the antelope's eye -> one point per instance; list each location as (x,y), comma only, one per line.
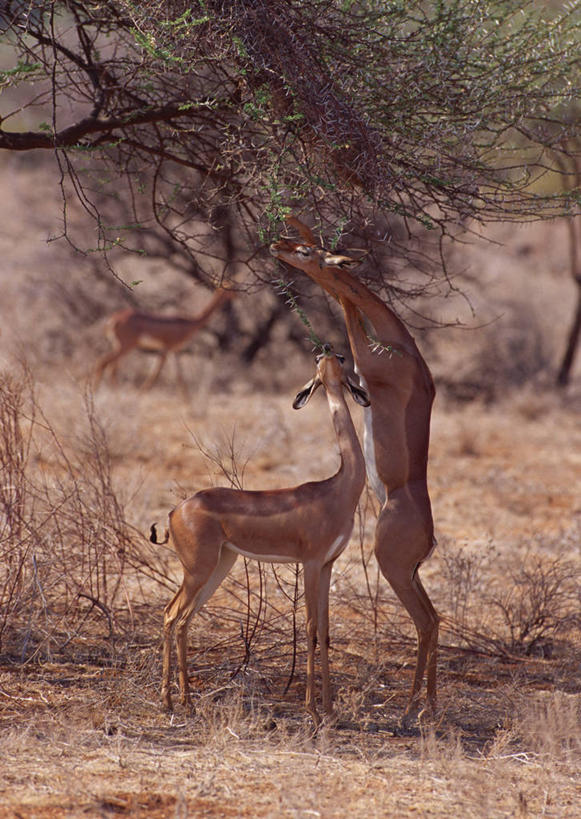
(303,251)
(340,357)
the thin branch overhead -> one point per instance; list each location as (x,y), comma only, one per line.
(387,122)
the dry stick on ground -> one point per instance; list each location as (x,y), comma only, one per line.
(397,431)
(132,329)
(309,524)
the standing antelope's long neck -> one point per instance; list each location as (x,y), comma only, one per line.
(352,468)
(217,299)
(342,285)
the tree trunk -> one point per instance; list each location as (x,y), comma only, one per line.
(263,332)
(572,343)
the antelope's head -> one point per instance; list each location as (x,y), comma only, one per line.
(307,254)
(331,375)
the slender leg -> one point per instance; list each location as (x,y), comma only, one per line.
(115,371)
(171,612)
(420,609)
(149,382)
(111,359)
(182,653)
(225,562)
(432,648)
(194,592)
(323,634)
(403,539)
(365,359)
(180,376)
(179,612)
(312,576)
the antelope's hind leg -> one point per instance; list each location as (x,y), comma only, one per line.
(312,580)
(109,361)
(172,611)
(194,592)
(154,375)
(402,542)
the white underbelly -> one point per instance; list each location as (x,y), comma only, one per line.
(264,557)
(369,450)
(147,342)
(434,544)
(338,546)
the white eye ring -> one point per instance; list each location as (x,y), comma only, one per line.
(303,251)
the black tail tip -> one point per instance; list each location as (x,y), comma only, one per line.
(153,535)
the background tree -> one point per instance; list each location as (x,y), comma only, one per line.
(196,126)
(571,171)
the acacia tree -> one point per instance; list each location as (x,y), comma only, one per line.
(572,177)
(390,120)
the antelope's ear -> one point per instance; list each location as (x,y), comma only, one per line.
(359,395)
(304,230)
(344,262)
(304,395)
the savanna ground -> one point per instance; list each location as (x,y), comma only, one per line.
(82,730)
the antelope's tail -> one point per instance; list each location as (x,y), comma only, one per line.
(153,535)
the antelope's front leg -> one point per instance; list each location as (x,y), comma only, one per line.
(323,633)
(312,576)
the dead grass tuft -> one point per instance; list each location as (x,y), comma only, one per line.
(550,726)
(71,562)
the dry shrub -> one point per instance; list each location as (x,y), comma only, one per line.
(539,604)
(499,609)
(463,575)
(70,563)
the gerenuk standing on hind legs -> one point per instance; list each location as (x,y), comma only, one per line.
(397,433)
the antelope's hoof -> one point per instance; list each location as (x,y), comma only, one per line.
(314,715)
(330,719)
(187,703)
(409,724)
